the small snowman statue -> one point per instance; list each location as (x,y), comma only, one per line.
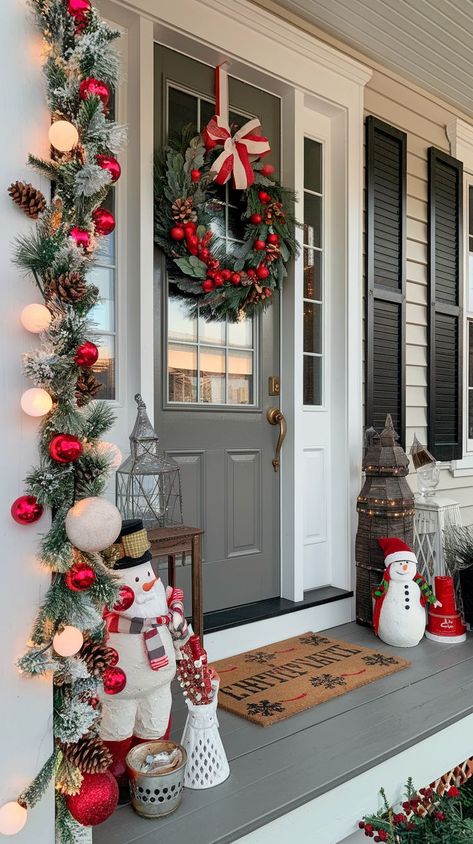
(399,616)
(146,628)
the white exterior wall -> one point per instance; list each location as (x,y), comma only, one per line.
(25,705)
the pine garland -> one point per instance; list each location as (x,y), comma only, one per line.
(59,267)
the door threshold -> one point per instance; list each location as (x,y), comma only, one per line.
(270,608)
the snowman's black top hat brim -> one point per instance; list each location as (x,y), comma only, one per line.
(130,562)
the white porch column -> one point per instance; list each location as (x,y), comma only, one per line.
(25,704)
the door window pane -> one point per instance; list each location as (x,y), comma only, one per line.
(212,376)
(182,110)
(182,368)
(180,325)
(240,377)
(241,334)
(212,332)
(104,369)
(313,307)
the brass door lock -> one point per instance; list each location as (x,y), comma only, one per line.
(273,385)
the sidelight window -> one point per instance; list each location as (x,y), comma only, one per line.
(313,333)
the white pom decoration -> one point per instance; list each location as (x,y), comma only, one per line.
(93,524)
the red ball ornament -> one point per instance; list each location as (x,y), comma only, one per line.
(25,510)
(256,219)
(64,448)
(125,600)
(207,285)
(226,275)
(218,280)
(189,228)
(96,800)
(80,577)
(251,273)
(192,241)
(177,233)
(262,271)
(203,254)
(264,197)
(259,245)
(236,278)
(195,175)
(113,657)
(92,87)
(114,680)
(86,354)
(267,170)
(273,238)
(81,237)
(78,8)
(104,221)
(108,162)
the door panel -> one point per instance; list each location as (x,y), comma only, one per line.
(212,379)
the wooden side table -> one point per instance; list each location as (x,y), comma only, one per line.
(182,539)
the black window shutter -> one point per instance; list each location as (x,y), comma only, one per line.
(445,306)
(385,250)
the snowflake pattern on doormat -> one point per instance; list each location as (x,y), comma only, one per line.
(379,659)
(313,639)
(328,681)
(264,708)
(261,657)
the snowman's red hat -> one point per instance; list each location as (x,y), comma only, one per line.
(395,550)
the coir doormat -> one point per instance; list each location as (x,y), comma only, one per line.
(272,683)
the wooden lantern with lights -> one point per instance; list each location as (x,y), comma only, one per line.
(385,507)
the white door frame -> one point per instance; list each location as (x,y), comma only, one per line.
(307,74)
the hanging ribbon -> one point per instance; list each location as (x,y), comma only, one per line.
(238,149)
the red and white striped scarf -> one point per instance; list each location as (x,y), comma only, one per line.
(149,628)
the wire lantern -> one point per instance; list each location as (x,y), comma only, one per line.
(148,483)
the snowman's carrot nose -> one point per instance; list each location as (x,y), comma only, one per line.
(148,586)
(404,566)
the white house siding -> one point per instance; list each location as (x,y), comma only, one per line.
(424,121)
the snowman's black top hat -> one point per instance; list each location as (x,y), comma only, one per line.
(132,545)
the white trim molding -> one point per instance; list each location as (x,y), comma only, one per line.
(460,136)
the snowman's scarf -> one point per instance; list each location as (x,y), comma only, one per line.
(379,594)
(149,628)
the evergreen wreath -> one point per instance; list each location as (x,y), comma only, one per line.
(188,208)
(81,71)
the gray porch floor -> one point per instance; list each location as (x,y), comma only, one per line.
(277,768)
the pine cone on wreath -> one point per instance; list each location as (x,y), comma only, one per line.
(28,198)
(96,656)
(87,387)
(68,776)
(69,287)
(183,211)
(89,754)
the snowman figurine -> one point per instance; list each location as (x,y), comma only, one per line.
(399,616)
(145,627)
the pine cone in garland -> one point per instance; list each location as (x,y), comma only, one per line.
(96,656)
(68,776)
(89,754)
(69,287)
(183,211)
(28,198)
(87,387)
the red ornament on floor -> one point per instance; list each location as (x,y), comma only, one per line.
(86,354)
(80,577)
(96,801)
(81,237)
(114,680)
(108,162)
(92,87)
(125,600)
(64,448)
(25,510)
(104,221)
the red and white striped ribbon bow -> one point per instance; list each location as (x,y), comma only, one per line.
(238,149)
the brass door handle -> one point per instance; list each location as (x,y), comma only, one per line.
(276,417)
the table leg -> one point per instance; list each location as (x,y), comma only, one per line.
(171,570)
(197,607)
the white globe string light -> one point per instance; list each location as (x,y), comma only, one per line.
(68,641)
(12,818)
(36,402)
(35,318)
(63,135)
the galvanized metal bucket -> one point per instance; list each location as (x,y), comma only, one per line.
(155,795)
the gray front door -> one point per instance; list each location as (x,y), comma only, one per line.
(212,378)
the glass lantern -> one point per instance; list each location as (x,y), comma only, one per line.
(428,478)
(148,483)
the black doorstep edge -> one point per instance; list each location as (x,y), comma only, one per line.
(270,608)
